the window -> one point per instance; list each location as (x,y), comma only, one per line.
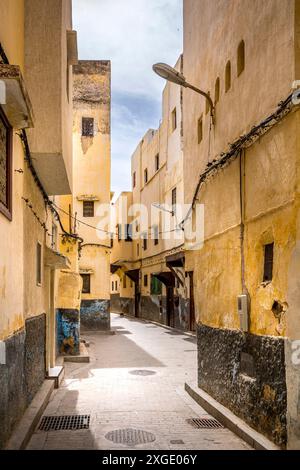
(228,76)
(240,58)
(156,286)
(128,233)
(88,127)
(145,241)
(86,283)
(116,285)
(119,231)
(112,285)
(268,262)
(54,237)
(200,130)
(124,281)
(145,175)
(173,200)
(157,162)
(155,234)
(134,179)
(217,91)
(5,167)
(138,249)
(145,280)
(174,119)
(88,208)
(39,264)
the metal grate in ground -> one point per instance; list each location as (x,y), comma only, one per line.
(130,437)
(205,423)
(68,422)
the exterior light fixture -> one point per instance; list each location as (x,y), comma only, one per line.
(172,75)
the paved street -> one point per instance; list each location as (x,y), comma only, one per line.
(117,399)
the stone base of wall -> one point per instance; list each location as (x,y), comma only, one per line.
(246,373)
(68,331)
(95,314)
(22,374)
(122,305)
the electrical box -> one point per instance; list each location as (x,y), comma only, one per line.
(243,310)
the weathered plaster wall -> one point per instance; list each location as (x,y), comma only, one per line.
(91,98)
(263,190)
(246,373)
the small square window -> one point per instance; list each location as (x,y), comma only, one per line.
(88,208)
(88,127)
(86,283)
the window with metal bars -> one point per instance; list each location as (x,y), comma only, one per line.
(87,127)
(86,283)
(268,262)
(88,208)
(5,166)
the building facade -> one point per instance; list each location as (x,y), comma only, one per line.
(156,263)
(35,165)
(91,188)
(246,274)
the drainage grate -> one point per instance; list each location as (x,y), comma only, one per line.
(142,372)
(177,441)
(130,437)
(70,422)
(205,423)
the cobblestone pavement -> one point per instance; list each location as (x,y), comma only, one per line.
(117,399)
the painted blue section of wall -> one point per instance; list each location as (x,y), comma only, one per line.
(68,331)
(95,314)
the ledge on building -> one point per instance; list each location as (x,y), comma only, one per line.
(56,374)
(229,419)
(14,98)
(87,197)
(55,260)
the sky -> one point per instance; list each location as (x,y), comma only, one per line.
(133,34)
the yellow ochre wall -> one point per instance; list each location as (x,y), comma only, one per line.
(91,167)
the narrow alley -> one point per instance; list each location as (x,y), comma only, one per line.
(134,381)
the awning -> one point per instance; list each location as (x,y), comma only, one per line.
(133,274)
(14,98)
(166,277)
(176,261)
